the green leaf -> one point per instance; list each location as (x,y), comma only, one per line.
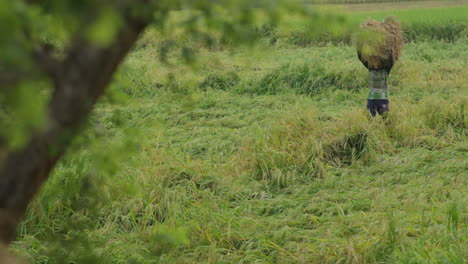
(104,30)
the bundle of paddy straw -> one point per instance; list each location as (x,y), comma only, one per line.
(377,41)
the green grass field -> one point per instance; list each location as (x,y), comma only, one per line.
(267,155)
(423,24)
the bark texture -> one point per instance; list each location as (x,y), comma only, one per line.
(79,80)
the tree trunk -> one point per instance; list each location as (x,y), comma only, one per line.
(79,80)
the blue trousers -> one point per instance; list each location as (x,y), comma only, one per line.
(379,106)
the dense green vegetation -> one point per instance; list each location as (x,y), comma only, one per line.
(268,156)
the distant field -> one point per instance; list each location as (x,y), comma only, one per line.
(419,24)
(419,15)
(372,6)
(448,23)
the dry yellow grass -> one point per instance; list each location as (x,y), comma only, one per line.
(378,42)
(394,36)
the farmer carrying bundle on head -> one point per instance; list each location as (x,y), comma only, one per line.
(379,46)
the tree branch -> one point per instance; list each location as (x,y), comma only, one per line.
(46,61)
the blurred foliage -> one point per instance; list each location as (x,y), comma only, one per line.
(182,26)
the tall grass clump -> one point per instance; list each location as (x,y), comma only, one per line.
(289,152)
(444,115)
(134,82)
(307,79)
(429,122)
(223,81)
(353,137)
(297,149)
(268,31)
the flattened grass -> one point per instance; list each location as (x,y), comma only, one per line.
(214,167)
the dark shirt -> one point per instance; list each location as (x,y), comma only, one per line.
(378,88)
